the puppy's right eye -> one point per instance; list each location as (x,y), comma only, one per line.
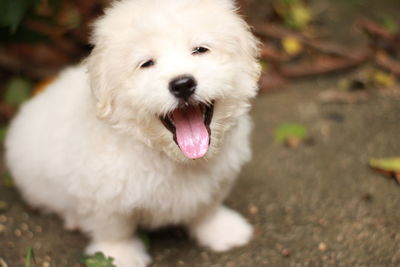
(148,64)
(200,50)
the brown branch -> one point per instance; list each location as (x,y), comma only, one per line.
(374,29)
(274,31)
(388,63)
(323,65)
(269,52)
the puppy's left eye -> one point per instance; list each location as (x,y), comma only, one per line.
(148,64)
(200,50)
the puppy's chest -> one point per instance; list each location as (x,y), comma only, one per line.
(179,199)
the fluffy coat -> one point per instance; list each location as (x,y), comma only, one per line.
(92,149)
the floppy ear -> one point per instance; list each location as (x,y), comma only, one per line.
(250,46)
(100,84)
(104,66)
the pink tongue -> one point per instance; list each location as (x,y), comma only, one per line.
(191,133)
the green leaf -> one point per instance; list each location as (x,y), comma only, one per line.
(299,17)
(12,12)
(383,78)
(292,45)
(28,258)
(295,13)
(30,255)
(290,130)
(386,164)
(389,23)
(17,91)
(98,260)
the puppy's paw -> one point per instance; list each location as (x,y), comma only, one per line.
(223,230)
(126,253)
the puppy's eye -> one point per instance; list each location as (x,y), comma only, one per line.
(148,64)
(200,50)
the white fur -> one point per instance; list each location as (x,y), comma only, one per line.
(92,148)
(223,230)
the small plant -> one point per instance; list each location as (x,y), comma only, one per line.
(30,256)
(12,12)
(98,260)
(290,134)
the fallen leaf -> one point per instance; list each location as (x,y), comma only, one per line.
(387,166)
(292,46)
(383,79)
(295,13)
(299,17)
(274,31)
(290,131)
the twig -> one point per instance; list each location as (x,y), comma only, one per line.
(271,53)
(274,31)
(375,30)
(387,63)
(323,65)
(3,263)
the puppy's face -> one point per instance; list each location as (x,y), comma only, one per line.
(175,74)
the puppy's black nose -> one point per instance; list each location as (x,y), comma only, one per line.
(183,86)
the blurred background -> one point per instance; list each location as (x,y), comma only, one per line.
(326,134)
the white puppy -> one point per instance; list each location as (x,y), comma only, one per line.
(151,130)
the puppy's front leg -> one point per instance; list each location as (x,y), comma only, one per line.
(114,236)
(221,229)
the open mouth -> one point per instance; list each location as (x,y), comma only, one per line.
(190,126)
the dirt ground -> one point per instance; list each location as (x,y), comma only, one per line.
(316,205)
